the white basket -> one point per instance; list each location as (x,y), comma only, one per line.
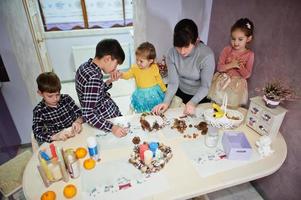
(225,121)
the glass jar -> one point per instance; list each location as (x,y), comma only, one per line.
(211,138)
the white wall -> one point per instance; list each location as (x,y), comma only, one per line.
(19,57)
(162,16)
(59,46)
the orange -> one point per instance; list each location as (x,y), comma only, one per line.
(80,152)
(89,163)
(48,195)
(70,191)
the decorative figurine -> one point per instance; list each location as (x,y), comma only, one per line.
(264,146)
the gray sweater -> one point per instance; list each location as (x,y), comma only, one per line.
(192,74)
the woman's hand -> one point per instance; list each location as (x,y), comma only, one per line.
(189,109)
(160,108)
(119,131)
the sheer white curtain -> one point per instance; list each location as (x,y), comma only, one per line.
(139,20)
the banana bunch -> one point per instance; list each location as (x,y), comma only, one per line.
(218,111)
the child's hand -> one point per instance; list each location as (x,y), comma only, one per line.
(67,133)
(76,127)
(234,64)
(64,135)
(119,131)
(60,136)
(56,137)
(242,63)
(189,109)
(114,76)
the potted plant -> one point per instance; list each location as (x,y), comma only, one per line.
(276,91)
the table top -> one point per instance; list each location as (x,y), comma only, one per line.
(182,177)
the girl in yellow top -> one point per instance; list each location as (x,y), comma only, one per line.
(150,87)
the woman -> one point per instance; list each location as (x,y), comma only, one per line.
(190,68)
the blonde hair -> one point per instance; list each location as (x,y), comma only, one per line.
(146,50)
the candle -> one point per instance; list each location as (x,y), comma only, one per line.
(46,169)
(148,157)
(44,155)
(59,154)
(211,139)
(55,170)
(53,151)
(158,154)
(142,149)
(153,146)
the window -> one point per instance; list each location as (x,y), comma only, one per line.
(59,15)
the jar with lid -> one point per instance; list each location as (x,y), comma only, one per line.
(211,139)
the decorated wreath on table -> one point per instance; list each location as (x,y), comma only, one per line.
(149,157)
(150,121)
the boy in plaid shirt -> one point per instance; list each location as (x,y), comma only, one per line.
(55,112)
(92,90)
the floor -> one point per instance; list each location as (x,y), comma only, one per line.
(121,92)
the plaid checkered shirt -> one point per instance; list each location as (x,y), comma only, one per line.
(92,91)
(48,121)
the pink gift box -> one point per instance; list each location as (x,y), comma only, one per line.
(236,145)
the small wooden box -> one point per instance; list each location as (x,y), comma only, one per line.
(264,120)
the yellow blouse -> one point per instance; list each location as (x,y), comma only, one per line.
(145,78)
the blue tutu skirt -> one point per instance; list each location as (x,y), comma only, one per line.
(145,99)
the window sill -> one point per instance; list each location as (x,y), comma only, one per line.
(88,32)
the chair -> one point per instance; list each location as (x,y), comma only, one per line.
(11,174)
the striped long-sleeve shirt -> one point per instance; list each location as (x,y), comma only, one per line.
(48,121)
(92,91)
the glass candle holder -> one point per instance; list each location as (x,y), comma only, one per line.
(211,139)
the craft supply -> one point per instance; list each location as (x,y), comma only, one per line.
(158,154)
(59,154)
(148,157)
(153,146)
(55,170)
(43,176)
(151,122)
(211,139)
(72,163)
(149,164)
(236,145)
(46,169)
(142,149)
(136,140)
(53,151)
(63,170)
(93,148)
(44,155)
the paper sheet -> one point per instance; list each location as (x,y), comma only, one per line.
(209,161)
(109,141)
(114,184)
